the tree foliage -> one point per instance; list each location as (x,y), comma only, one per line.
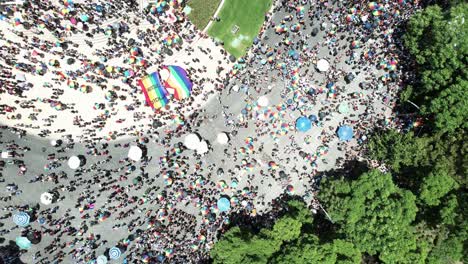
(438,40)
(242,246)
(405,150)
(373,213)
(436,185)
(308,249)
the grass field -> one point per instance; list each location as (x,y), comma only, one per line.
(248,15)
(202,11)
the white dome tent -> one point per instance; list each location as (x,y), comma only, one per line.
(47,198)
(191,141)
(135,153)
(74,162)
(263,101)
(222,138)
(202,147)
(323,65)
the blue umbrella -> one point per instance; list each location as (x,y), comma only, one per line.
(84,18)
(23,243)
(303,124)
(224,204)
(296,56)
(313,118)
(115,253)
(21,219)
(160,258)
(99,8)
(345,133)
(311,91)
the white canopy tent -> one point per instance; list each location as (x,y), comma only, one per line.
(6,154)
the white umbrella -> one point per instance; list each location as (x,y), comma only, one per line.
(263,101)
(46,198)
(20,77)
(53,143)
(202,147)
(323,65)
(235,88)
(191,141)
(135,153)
(74,162)
(222,138)
(101,259)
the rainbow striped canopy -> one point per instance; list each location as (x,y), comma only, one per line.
(155,93)
(178,81)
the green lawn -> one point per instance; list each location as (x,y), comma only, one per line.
(248,15)
(202,11)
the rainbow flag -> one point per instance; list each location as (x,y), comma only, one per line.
(178,81)
(155,93)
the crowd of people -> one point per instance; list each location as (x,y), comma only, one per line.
(163,208)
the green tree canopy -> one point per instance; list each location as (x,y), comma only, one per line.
(242,246)
(438,40)
(374,214)
(398,149)
(308,249)
(436,185)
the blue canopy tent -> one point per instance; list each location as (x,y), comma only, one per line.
(345,133)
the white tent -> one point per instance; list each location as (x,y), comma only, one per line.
(263,101)
(202,147)
(5,155)
(323,65)
(222,138)
(20,77)
(46,198)
(135,153)
(191,141)
(74,162)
